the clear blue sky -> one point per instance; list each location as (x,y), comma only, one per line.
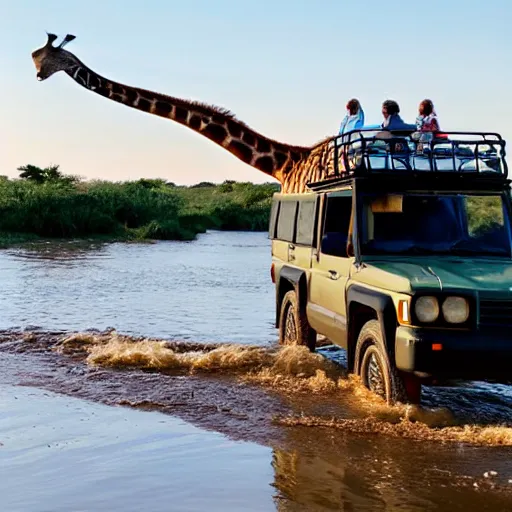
(285,68)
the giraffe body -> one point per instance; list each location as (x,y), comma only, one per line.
(292,166)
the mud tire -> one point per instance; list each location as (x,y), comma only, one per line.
(377,372)
(294,328)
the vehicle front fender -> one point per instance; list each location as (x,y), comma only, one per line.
(375,303)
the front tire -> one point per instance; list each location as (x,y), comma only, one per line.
(377,372)
(294,328)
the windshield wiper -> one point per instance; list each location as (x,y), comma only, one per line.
(420,250)
(409,250)
(465,251)
(458,248)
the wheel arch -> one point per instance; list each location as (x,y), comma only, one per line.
(364,305)
(291,278)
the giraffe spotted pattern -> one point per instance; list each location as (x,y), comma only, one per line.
(293,166)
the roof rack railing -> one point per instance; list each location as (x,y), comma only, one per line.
(373,150)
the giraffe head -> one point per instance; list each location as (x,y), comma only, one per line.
(49,59)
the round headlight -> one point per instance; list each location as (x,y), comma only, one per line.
(455,310)
(427,309)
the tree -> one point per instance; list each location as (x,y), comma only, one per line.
(32,173)
(203,184)
(151,183)
(48,174)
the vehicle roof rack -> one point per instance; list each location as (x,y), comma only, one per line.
(402,181)
(373,151)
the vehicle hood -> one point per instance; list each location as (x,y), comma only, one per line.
(436,273)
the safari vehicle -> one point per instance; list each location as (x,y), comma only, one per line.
(403,258)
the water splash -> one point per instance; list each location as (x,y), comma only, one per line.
(471,434)
(293,372)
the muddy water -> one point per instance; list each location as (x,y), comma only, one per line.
(236,424)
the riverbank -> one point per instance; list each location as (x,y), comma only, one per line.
(128,211)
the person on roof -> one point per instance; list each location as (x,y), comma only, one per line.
(427,120)
(392,119)
(354,118)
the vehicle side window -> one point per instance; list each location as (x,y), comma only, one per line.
(286,221)
(274,211)
(336,225)
(306,222)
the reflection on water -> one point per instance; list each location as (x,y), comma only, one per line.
(322,472)
(62,454)
(216,288)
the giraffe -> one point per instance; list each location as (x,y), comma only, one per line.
(293,166)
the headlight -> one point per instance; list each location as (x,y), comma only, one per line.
(427,309)
(455,310)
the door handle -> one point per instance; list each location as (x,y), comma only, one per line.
(291,255)
(333,274)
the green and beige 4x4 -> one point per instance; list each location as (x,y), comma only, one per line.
(404,259)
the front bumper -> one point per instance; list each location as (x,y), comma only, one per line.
(463,354)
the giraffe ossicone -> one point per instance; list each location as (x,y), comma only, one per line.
(293,166)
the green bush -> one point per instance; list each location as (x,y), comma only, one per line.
(46,203)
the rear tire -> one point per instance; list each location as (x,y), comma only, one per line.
(378,373)
(294,328)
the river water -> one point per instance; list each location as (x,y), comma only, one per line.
(216,288)
(189,404)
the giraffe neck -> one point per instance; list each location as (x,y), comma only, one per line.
(318,165)
(220,126)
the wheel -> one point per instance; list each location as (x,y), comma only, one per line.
(378,373)
(294,328)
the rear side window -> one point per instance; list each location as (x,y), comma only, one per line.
(286,221)
(274,211)
(306,222)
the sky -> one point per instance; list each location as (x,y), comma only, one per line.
(285,68)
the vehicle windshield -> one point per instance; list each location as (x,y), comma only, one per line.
(460,224)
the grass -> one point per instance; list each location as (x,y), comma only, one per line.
(138,210)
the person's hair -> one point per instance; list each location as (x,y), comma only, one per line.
(353,106)
(392,107)
(426,108)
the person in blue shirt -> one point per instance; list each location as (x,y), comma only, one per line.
(354,119)
(392,119)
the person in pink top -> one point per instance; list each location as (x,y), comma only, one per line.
(427,120)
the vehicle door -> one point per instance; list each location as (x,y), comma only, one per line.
(330,268)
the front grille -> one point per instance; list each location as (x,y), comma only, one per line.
(496,313)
